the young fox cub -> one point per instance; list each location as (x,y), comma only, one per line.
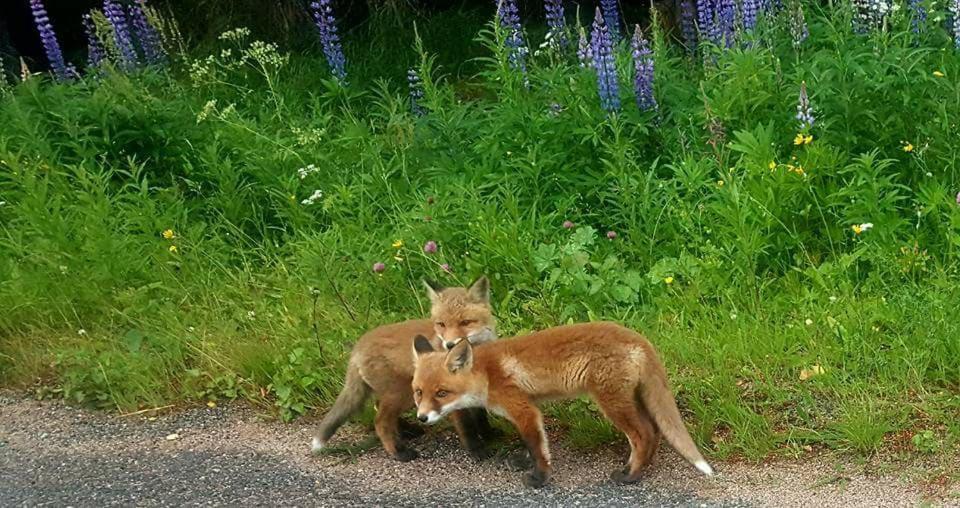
(617,367)
(381,363)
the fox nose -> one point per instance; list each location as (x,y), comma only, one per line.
(422,418)
(449,345)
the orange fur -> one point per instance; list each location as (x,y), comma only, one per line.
(381,364)
(615,366)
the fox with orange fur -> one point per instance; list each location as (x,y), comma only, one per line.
(616,366)
(381,364)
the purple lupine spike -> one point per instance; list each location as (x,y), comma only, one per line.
(583,50)
(121,34)
(329,38)
(416,92)
(706,20)
(95,52)
(643,71)
(50,45)
(509,17)
(798,26)
(556,22)
(601,46)
(611,16)
(918,16)
(748,14)
(727,19)
(688,25)
(804,112)
(955,24)
(148,36)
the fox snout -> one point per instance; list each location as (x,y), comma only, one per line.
(429,418)
(449,345)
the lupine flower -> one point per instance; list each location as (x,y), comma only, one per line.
(146,33)
(556,22)
(611,235)
(329,39)
(50,45)
(601,47)
(510,22)
(430,247)
(748,13)
(95,52)
(798,26)
(583,50)
(918,16)
(416,92)
(955,24)
(706,10)
(727,18)
(121,34)
(611,16)
(643,72)
(379,267)
(688,25)
(568,224)
(804,112)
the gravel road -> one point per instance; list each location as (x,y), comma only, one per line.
(52,454)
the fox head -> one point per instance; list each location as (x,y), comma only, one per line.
(444,382)
(461,313)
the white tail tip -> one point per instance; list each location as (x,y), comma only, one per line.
(318,445)
(704,467)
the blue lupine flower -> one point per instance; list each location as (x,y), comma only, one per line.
(121,34)
(149,37)
(727,21)
(804,112)
(918,16)
(584,53)
(50,45)
(516,47)
(706,20)
(95,52)
(601,46)
(416,92)
(556,22)
(688,25)
(643,71)
(955,26)
(330,39)
(611,16)
(748,13)
(798,26)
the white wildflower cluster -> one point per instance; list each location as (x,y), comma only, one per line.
(235,35)
(307,171)
(316,196)
(307,137)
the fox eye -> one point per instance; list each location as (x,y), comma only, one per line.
(467,322)
(441,324)
(418,392)
(441,394)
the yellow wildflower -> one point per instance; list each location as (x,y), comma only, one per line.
(808,139)
(772,165)
(798,170)
(720,183)
(798,140)
(173,249)
(938,74)
(668,280)
(397,244)
(398,258)
(169,234)
(907,146)
(857,229)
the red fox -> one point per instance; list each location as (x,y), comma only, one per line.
(381,362)
(616,366)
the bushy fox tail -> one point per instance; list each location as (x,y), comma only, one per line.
(659,401)
(351,399)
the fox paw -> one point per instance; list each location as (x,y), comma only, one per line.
(406,454)
(535,479)
(624,476)
(410,431)
(519,461)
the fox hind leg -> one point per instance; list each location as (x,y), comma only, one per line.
(639,429)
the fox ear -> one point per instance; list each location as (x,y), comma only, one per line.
(421,346)
(460,357)
(480,290)
(433,289)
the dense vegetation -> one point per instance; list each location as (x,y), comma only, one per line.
(783,222)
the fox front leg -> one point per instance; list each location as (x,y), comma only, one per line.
(529,422)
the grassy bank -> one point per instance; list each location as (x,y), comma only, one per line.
(162,237)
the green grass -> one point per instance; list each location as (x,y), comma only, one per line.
(780,326)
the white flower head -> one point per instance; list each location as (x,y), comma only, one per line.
(317,194)
(866,226)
